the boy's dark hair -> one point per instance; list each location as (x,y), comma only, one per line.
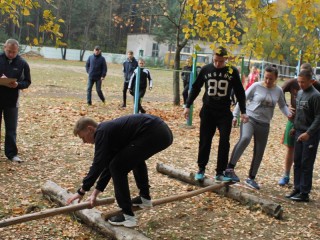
(305,73)
(221,52)
(272,69)
(97,48)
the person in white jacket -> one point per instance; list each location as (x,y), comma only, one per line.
(262,98)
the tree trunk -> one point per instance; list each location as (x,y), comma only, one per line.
(176,78)
(91,217)
(267,206)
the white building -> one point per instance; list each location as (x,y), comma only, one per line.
(145,45)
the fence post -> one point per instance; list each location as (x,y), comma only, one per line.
(193,76)
(137,92)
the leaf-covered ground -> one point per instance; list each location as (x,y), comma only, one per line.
(49,109)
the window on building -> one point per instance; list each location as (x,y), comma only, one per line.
(155,50)
(172,48)
(186,49)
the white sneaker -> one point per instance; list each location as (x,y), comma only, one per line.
(123,220)
(16,159)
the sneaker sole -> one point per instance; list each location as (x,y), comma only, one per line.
(251,186)
(142,206)
(218,181)
(125,224)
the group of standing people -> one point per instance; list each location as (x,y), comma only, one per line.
(96,68)
(256,106)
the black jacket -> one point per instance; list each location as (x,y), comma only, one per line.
(128,68)
(18,69)
(218,85)
(110,138)
(96,67)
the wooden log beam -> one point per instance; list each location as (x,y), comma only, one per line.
(170,199)
(52,212)
(267,206)
(91,217)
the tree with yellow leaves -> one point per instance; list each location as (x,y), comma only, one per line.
(15,11)
(269,28)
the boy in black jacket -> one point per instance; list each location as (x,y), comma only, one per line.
(128,67)
(307,134)
(144,76)
(219,79)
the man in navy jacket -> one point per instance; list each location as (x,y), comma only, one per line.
(14,67)
(96,67)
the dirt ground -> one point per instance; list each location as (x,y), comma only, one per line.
(48,111)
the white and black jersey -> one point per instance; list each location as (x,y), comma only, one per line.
(218,85)
(144,76)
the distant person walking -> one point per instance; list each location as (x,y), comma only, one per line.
(128,67)
(15,67)
(96,67)
(253,76)
(144,76)
(185,75)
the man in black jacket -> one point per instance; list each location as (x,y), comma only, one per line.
(96,67)
(306,131)
(14,67)
(219,79)
(128,67)
(122,145)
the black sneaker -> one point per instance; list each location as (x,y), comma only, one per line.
(123,220)
(142,110)
(294,192)
(301,197)
(231,174)
(252,183)
(141,202)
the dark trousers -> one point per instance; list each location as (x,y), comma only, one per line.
(185,91)
(133,157)
(124,92)
(142,92)
(210,121)
(304,158)
(98,83)
(10,116)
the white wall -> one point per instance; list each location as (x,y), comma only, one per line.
(73,54)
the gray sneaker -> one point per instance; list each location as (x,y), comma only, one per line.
(123,220)
(141,202)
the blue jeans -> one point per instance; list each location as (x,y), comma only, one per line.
(304,157)
(10,116)
(98,89)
